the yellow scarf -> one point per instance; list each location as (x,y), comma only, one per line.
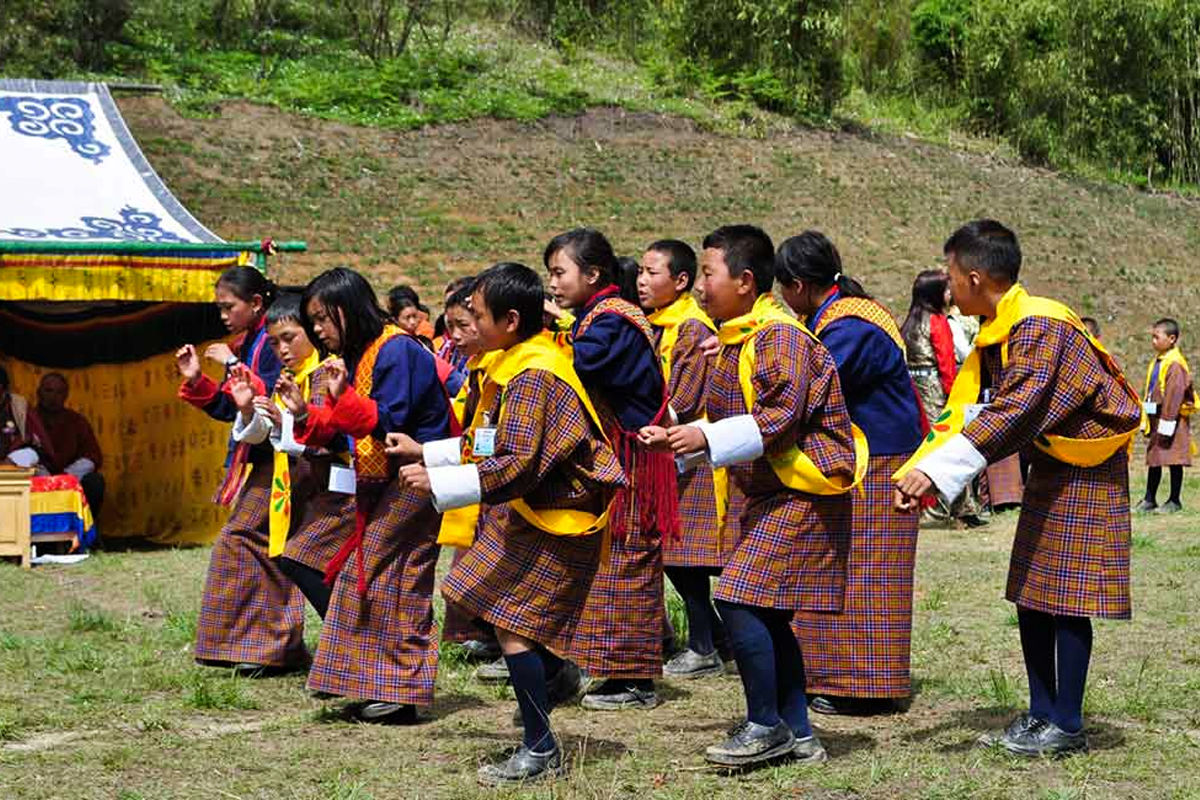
(669,318)
(280,512)
(1172,356)
(1014,306)
(546,352)
(794,469)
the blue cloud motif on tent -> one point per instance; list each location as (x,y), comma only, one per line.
(133,226)
(66,118)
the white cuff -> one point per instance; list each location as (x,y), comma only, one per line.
(733,441)
(455,487)
(442,453)
(1167,427)
(255,431)
(672,415)
(25,457)
(952,466)
(80,467)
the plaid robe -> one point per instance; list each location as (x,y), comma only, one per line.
(864,651)
(1071,553)
(515,576)
(621,632)
(1003,482)
(1177,449)
(250,611)
(793,548)
(321,519)
(383,645)
(701,544)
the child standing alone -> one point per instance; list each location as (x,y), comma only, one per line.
(1170,400)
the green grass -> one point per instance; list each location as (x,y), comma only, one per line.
(118,709)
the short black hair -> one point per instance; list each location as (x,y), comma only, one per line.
(459,283)
(402,297)
(588,248)
(681,259)
(285,308)
(1169,326)
(986,245)
(509,286)
(627,272)
(343,288)
(461,296)
(746,247)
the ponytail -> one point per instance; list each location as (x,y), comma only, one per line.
(245,282)
(812,258)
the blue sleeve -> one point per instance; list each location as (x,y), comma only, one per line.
(455,381)
(222,406)
(615,360)
(407,392)
(861,350)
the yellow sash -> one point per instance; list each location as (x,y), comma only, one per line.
(545,352)
(794,469)
(1172,356)
(280,511)
(1014,306)
(669,318)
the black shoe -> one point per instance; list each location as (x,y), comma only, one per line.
(493,671)
(1145,507)
(689,665)
(380,713)
(523,766)
(479,650)
(809,750)
(1018,727)
(1170,507)
(751,743)
(851,706)
(1029,736)
(973,521)
(614,696)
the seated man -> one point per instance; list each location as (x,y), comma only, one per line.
(21,437)
(72,446)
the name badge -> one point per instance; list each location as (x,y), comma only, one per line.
(1151,408)
(971,411)
(342,479)
(485,443)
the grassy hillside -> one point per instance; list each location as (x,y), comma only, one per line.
(425,205)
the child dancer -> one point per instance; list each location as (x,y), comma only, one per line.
(378,643)
(620,636)
(779,422)
(308,522)
(535,454)
(857,662)
(1057,396)
(664,284)
(251,615)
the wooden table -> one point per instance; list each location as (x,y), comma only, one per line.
(14,513)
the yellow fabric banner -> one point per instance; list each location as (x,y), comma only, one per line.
(162,458)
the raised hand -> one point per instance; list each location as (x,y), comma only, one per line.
(289,391)
(218,352)
(241,389)
(266,406)
(337,379)
(188,363)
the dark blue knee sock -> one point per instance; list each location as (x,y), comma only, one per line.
(1073,636)
(528,676)
(1037,645)
(692,583)
(755,654)
(789,675)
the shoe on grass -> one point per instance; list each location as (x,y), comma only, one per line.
(478,650)
(381,713)
(751,743)
(523,766)
(614,696)
(809,750)
(1170,507)
(689,665)
(1145,507)
(493,672)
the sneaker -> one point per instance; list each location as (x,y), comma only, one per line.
(493,672)
(387,713)
(615,697)
(1145,507)
(809,750)
(751,743)
(689,665)
(1170,507)
(478,650)
(523,766)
